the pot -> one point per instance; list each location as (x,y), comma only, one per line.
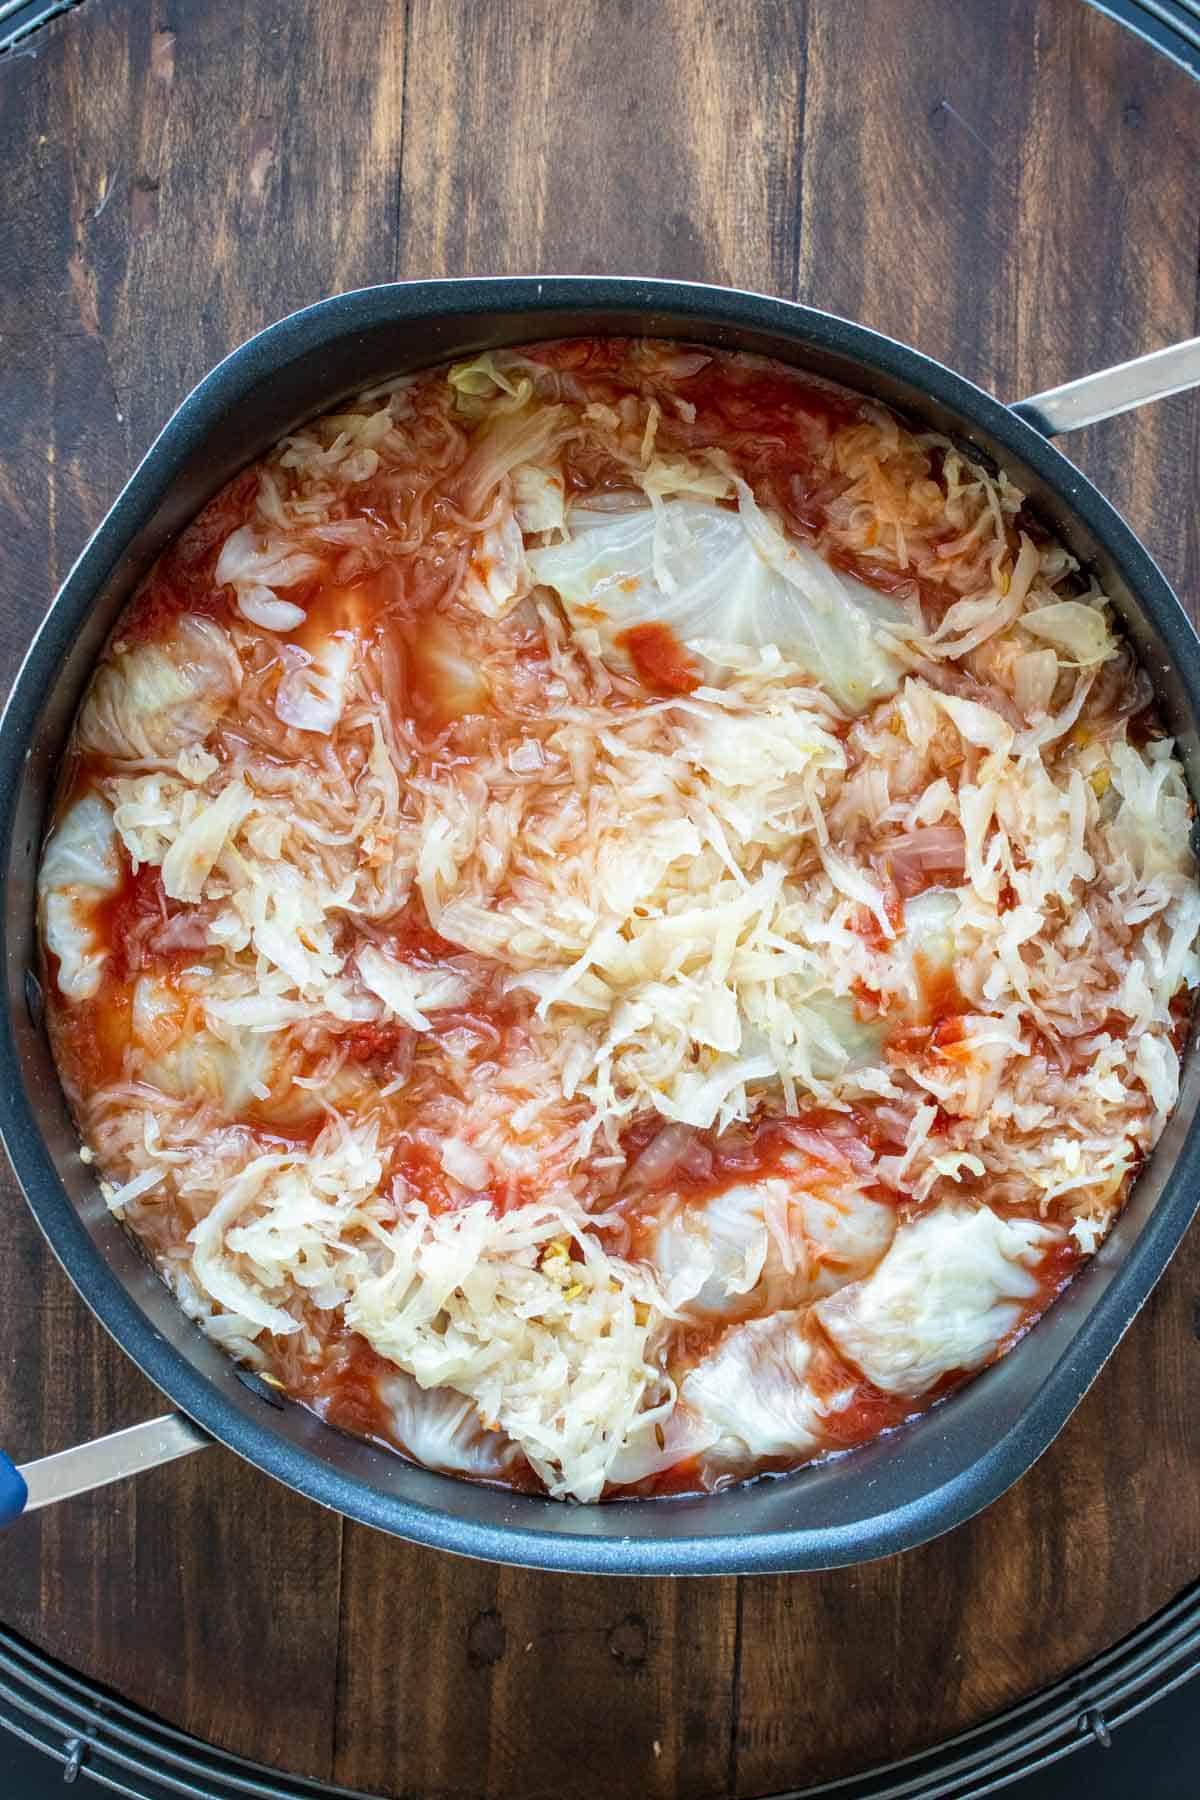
(890,1494)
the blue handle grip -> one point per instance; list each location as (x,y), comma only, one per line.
(13,1492)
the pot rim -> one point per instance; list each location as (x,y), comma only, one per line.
(600,1546)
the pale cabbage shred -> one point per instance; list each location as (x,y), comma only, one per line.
(680,885)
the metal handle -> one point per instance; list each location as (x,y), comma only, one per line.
(1115,390)
(94,1465)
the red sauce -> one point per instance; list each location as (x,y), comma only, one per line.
(1057,1267)
(122,917)
(942,1031)
(745,397)
(660,659)
(825,1145)
(182,579)
(582,355)
(93,1036)
(372,1043)
(1181,1020)
(804,498)
(161,602)
(419,1166)
(865,923)
(1144,726)
(438,682)
(681,1478)
(869,1412)
(332,606)
(948,1033)
(941,996)
(409,937)
(345,1390)
(899,584)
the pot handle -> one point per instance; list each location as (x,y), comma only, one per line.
(1115,390)
(94,1465)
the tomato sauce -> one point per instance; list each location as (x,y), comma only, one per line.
(1182,1011)
(182,580)
(345,1389)
(161,602)
(121,919)
(899,584)
(942,999)
(92,1037)
(371,1043)
(746,397)
(410,938)
(868,1413)
(865,921)
(713,1162)
(681,1479)
(418,1166)
(581,355)
(660,659)
(1058,1266)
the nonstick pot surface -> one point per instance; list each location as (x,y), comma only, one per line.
(885,1497)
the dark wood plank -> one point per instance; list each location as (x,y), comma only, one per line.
(914,123)
(1109,262)
(153,153)
(645,137)
(1008,185)
(519,1682)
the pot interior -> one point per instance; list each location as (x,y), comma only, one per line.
(890,1494)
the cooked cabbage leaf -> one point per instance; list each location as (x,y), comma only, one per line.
(155,699)
(255,567)
(80,867)
(201,1067)
(1078,630)
(709,573)
(312,693)
(762,1245)
(540,503)
(502,443)
(442,1429)
(950,1289)
(753,1389)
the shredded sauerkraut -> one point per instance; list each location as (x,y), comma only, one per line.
(620,917)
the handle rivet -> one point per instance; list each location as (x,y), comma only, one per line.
(1093,1724)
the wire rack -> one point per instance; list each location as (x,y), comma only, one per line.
(19,19)
(1174,25)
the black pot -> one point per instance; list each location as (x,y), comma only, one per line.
(885,1497)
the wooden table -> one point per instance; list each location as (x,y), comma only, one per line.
(1011,185)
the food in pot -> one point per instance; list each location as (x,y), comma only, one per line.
(618,919)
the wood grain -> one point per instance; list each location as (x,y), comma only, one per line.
(682,159)
(1010,185)
(519,1682)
